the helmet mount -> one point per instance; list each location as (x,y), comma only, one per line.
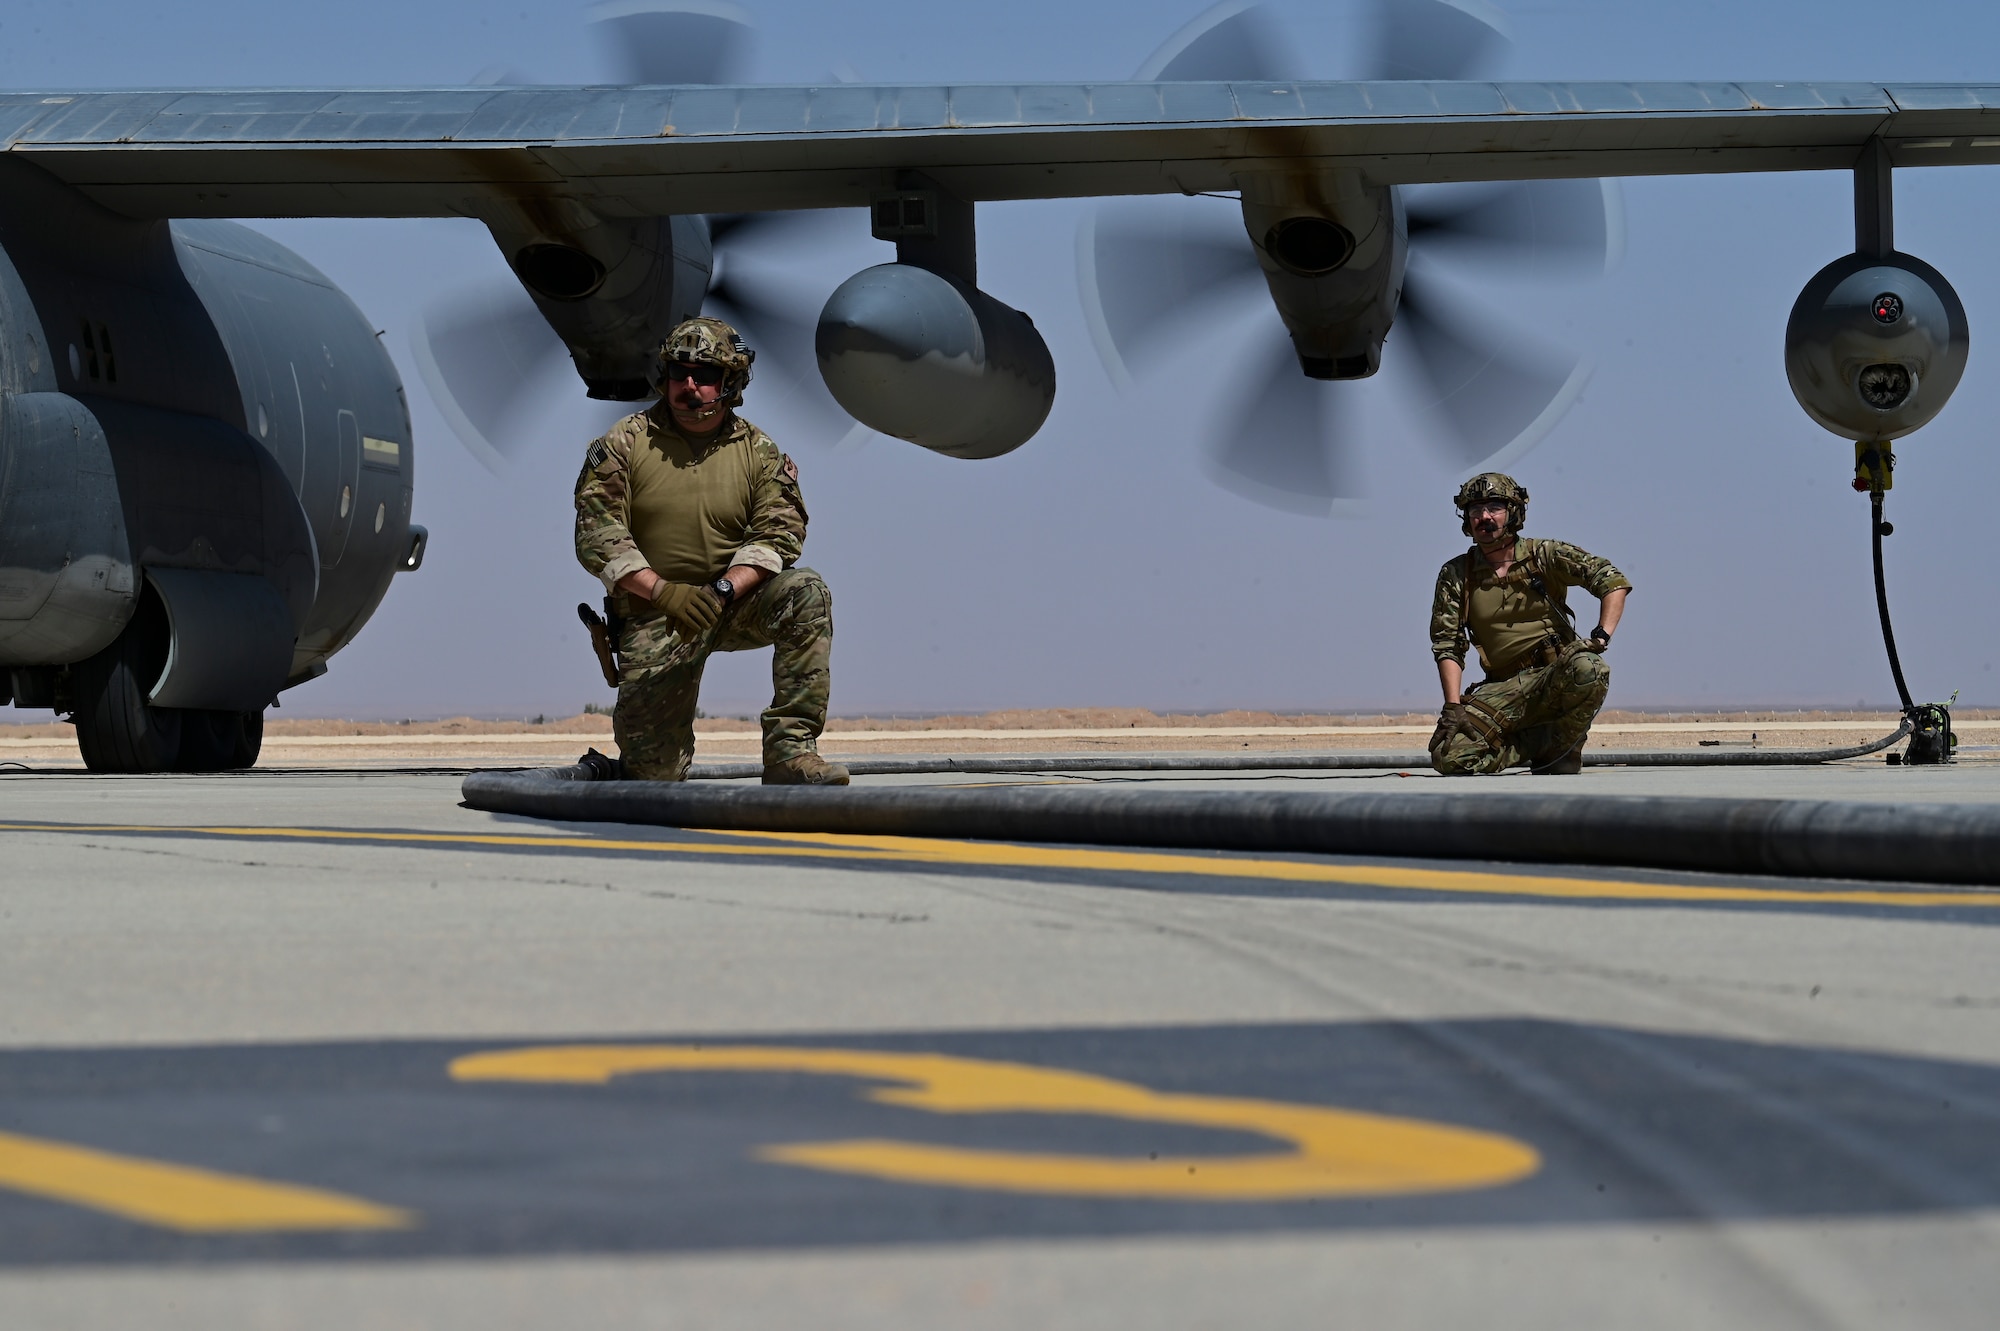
(1493,485)
(705,341)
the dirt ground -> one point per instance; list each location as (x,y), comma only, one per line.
(463,742)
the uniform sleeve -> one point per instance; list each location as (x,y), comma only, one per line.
(777,535)
(604,544)
(1447,602)
(1580,568)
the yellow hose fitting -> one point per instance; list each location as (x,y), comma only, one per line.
(1874,467)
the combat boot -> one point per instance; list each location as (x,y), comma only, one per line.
(595,766)
(807,769)
(1569,764)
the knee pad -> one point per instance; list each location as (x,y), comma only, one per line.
(1591,672)
(806,611)
(1484,723)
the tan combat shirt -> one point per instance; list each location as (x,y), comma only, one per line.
(1510,619)
(651,497)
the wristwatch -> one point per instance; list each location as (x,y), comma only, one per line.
(724,588)
(1599,634)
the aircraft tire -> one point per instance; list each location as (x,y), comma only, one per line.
(249,741)
(215,741)
(117,730)
(208,740)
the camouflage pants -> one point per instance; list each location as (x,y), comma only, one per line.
(792,613)
(1539,714)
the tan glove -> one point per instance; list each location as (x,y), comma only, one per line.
(1451,720)
(693,609)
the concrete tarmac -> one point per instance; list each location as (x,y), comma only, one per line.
(326,1050)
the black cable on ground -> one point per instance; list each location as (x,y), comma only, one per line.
(1269,762)
(1056,764)
(1952,843)
(1744,757)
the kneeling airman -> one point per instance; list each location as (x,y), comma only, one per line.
(1508,597)
(691,517)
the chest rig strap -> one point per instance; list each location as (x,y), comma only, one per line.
(1528,561)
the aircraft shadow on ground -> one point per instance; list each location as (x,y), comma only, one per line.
(1621,1126)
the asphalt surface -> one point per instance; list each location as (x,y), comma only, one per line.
(328,1050)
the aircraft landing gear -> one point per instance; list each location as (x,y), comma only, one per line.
(219,741)
(117,730)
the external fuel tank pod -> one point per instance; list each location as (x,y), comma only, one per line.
(924,356)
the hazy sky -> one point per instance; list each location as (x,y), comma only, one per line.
(1097,566)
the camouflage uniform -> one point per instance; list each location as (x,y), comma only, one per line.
(691,508)
(792,613)
(1542,687)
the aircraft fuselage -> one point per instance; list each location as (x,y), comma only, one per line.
(192,413)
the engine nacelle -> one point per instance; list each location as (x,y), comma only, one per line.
(610,289)
(1333,250)
(1875,346)
(926,357)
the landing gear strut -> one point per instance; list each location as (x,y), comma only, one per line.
(118,730)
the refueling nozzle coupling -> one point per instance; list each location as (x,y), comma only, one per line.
(1874,467)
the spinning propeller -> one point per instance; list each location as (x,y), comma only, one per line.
(491,362)
(1150,271)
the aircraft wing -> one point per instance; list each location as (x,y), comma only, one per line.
(651,151)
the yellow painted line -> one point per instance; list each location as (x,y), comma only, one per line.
(1423,880)
(199,1201)
(1002,855)
(1332,1152)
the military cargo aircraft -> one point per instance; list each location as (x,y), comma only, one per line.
(206,454)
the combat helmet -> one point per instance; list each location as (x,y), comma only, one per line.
(1493,485)
(705,341)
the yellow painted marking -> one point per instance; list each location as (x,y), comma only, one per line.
(1001,855)
(1332,1152)
(1371,875)
(199,1201)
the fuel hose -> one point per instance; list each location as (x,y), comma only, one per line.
(598,767)
(1539,824)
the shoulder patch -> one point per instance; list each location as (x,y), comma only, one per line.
(595,457)
(789,467)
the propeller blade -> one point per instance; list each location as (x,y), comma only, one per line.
(1435,39)
(1290,450)
(1230,42)
(488,358)
(674,41)
(1544,223)
(793,225)
(782,334)
(767,310)
(1496,399)
(1141,272)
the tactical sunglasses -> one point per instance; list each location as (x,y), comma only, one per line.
(701,374)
